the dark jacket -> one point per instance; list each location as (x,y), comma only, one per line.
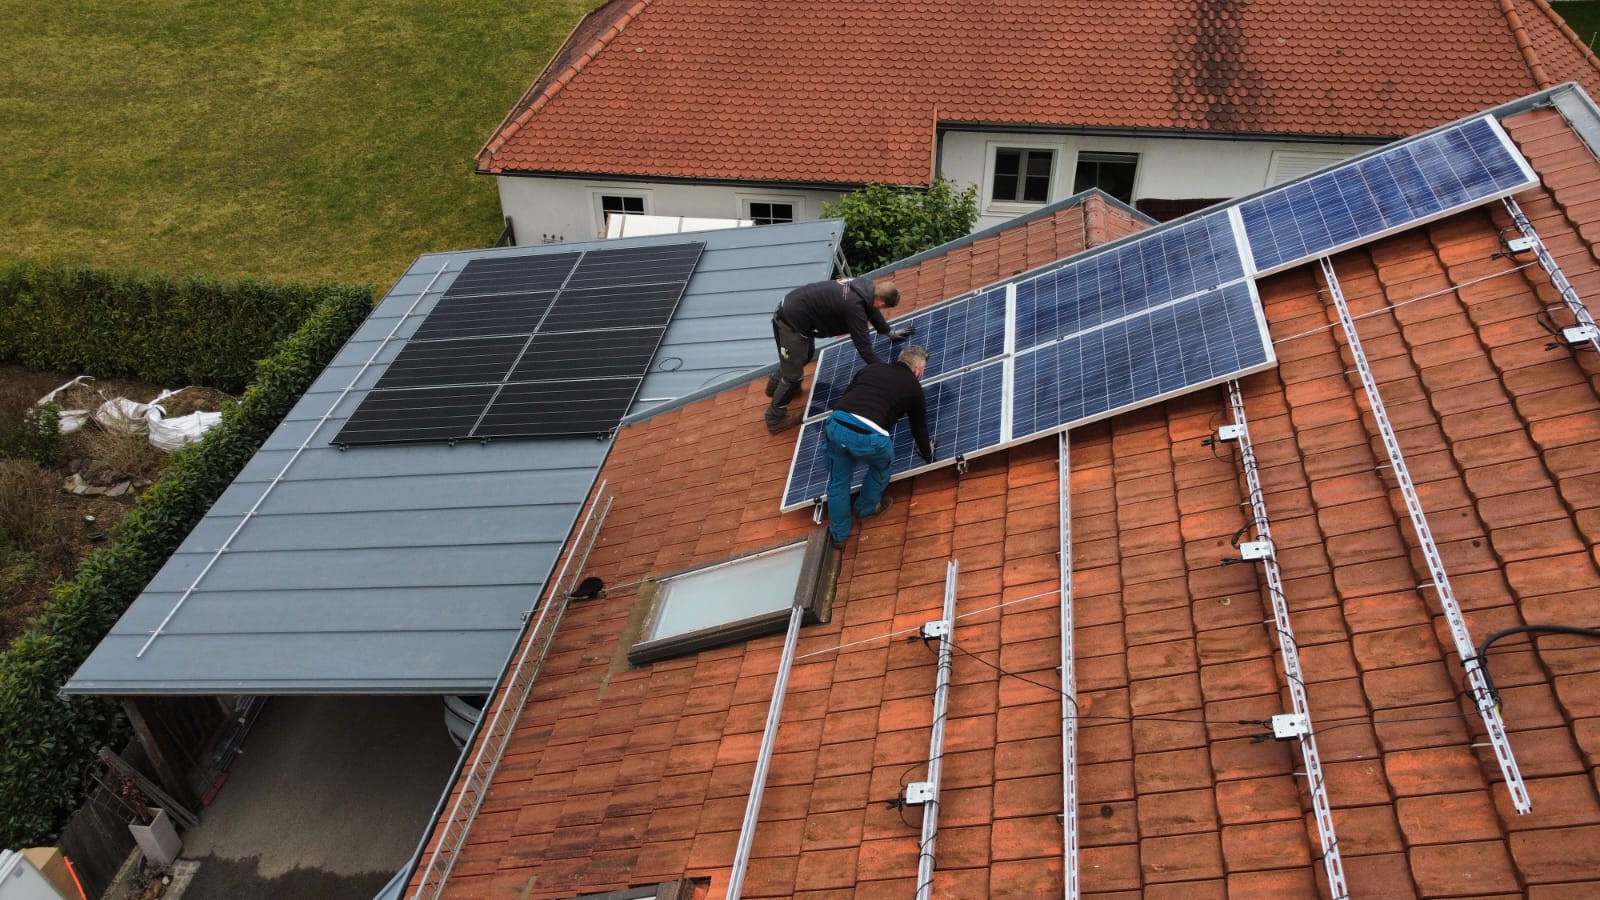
(882,393)
(827,309)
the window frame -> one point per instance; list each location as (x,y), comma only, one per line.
(992,151)
(1124,156)
(814,590)
(796,205)
(600,195)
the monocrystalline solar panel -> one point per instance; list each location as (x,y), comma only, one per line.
(560,343)
(513,274)
(480,316)
(957,335)
(555,356)
(1435,175)
(468,361)
(556,408)
(1128,277)
(964,415)
(416,414)
(1141,360)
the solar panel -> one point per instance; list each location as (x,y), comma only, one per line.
(1194,256)
(551,408)
(480,316)
(1141,359)
(513,274)
(964,416)
(432,363)
(1432,176)
(540,345)
(957,335)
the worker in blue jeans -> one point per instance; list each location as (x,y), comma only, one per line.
(858,431)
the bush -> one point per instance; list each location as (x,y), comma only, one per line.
(28,431)
(886,224)
(172,331)
(47,740)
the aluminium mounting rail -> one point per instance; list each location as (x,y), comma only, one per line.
(943,630)
(1069,684)
(1331,860)
(1430,551)
(1585,331)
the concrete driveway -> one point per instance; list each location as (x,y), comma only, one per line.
(327,800)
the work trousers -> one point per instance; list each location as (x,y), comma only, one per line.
(847,447)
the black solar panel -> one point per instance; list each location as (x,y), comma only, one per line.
(541,345)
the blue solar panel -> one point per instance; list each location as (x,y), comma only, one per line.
(964,416)
(1129,277)
(958,335)
(1173,348)
(1440,173)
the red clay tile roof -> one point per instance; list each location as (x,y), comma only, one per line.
(618,776)
(844,93)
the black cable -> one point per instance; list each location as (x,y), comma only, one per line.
(1483,649)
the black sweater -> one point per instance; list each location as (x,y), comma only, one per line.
(882,393)
(828,309)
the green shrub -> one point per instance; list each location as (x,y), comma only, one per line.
(46,740)
(885,224)
(173,331)
(28,431)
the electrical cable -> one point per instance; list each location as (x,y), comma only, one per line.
(1483,648)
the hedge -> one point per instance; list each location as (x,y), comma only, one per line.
(47,740)
(173,331)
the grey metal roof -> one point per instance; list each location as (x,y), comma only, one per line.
(408,568)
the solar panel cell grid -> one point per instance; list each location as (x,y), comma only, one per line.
(416,414)
(545,408)
(513,275)
(467,361)
(595,354)
(481,316)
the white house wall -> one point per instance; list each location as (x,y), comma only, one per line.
(1168,168)
(548,210)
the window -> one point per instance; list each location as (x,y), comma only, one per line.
(768,212)
(734,600)
(1021,176)
(1110,172)
(617,204)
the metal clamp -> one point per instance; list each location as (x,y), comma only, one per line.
(938,628)
(919,792)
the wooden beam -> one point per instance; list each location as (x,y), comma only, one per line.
(163,752)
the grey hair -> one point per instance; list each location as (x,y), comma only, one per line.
(914,355)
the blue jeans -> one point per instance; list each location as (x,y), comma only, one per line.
(847,448)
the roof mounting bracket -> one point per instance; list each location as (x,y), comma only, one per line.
(919,792)
(938,628)
(961,465)
(1229,432)
(1580,334)
(816,510)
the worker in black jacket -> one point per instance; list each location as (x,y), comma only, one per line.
(858,431)
(824,309)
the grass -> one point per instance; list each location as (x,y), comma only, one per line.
(1583,17)
(323,140)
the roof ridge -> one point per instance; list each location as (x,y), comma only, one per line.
(1559,22)
(1525,45)
(515,122)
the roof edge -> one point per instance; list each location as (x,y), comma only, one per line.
(1519,33)
(526,107)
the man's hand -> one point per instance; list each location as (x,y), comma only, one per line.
(900,334)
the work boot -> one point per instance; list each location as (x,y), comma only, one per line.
(782,417)
(772,384)
(883,504)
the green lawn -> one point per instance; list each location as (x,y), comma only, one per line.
(1583,16)
(332,139)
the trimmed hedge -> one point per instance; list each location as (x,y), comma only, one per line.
(173,331)
(47,740)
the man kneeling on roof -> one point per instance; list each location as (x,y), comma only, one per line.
(858,431)
(824,309)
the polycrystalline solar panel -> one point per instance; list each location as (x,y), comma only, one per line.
(957,335)
(616,306)
(425,363)
(514,274)
(1131,276)
(480,316)
(1440,173)
(550,408)
(964,415)
(416,414)
(553,356)
(1142,360)
(635,266)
